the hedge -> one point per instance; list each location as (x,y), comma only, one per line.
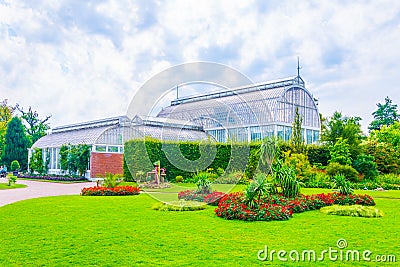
(140,154)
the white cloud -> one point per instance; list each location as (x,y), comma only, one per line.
(84,60)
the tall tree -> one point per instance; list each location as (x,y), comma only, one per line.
(347,128)
(296,139)
(35,127)
(16,144)
(386,114)
(6,113)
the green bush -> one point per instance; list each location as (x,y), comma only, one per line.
(14,165)
(353,210)
(139,155)
(11,180)
(179,179)
(365,164)
(349,172)
(389,178)
(340,152)
(318,154)
(318,179)
(180,205)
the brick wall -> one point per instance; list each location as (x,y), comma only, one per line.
(100,163)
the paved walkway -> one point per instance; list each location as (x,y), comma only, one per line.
(39,189)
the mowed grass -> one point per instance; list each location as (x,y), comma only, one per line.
(5,186)
(125,231)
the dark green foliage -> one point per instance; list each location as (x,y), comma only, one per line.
(296,139)
(386,114)
(347,128)
(139,155)
(16,144)
(318,154)
(127,174)
(387,158)
(365,164)
(347,171)
(75,158)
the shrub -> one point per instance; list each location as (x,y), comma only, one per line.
(14,165)
(343,185)
(180,205)
(300,164)
(115,191)
(389,178)
(349,172)
(318,154)
(318,179)
(365,164)
(11,180)
(179,179)
(340,152)
(353,210)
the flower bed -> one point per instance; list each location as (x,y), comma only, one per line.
(52,177)
(210,198)
(277,207)
(115,191)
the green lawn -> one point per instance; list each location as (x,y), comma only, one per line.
(125,231)
(5,186)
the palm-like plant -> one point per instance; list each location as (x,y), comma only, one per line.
(203,183)
(255,190)
(342,184)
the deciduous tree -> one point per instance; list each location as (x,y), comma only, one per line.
(386,114)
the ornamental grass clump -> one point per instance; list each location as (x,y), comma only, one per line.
(180,205)
(353,210)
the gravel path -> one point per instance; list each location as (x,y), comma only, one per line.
(39,189)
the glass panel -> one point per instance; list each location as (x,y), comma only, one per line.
(316,136)
(113,149)
(101,148)
(309,136)
(280,133)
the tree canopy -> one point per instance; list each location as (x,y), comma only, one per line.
(6,113)
(35,127)
(386,114)
(16,144)
(346,128)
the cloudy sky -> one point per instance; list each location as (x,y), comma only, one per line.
(84,60)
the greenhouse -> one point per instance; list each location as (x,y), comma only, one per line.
(251,112)
(247,113)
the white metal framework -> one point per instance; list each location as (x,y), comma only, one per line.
(251,112)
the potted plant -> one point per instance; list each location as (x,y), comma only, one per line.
(15,167)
